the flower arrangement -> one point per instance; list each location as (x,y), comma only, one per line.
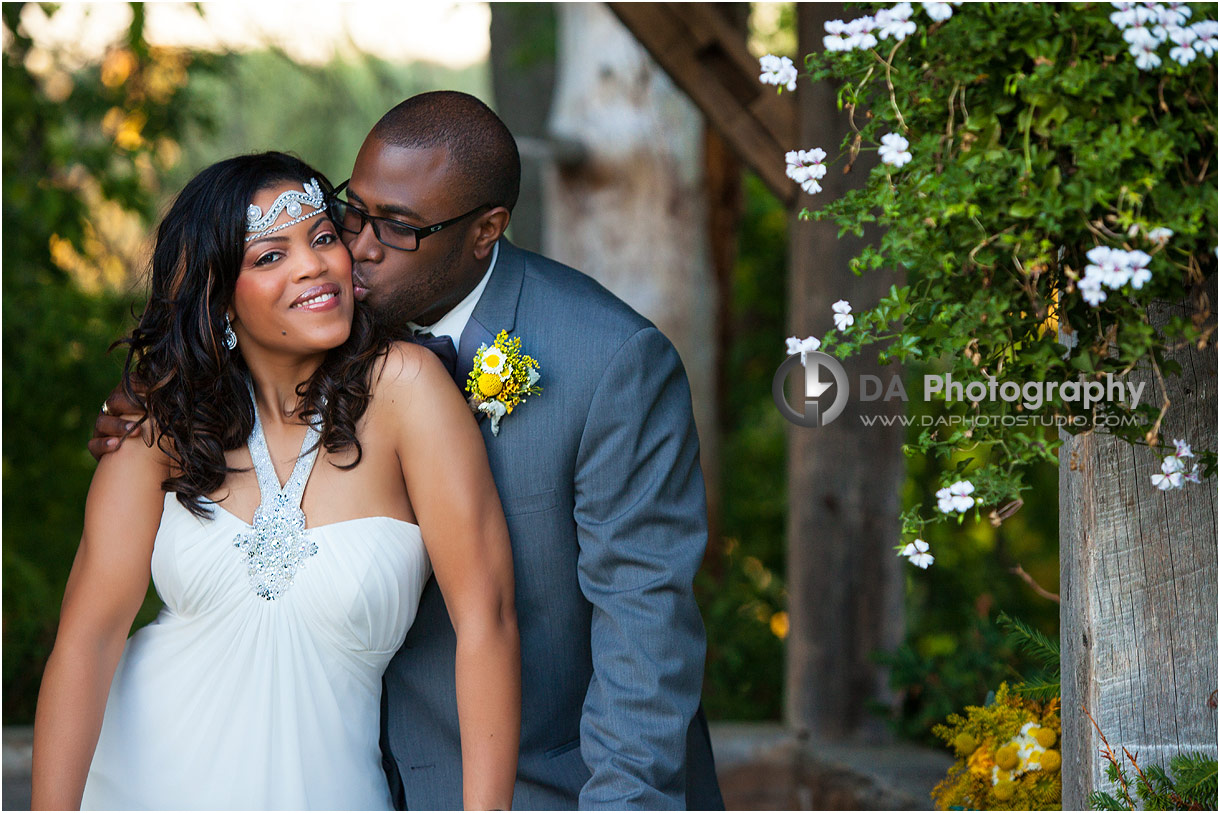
(501,379)
(1045,178)
(1007,755)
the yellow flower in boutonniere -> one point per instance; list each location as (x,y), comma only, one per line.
(501,379)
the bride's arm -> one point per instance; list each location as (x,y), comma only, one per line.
(444,464)
(106,587)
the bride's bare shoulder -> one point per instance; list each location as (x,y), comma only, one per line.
(406,372)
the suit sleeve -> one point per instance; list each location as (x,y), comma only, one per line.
(641,516)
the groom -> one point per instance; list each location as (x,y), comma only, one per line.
(598,476)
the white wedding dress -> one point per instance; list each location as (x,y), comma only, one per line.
(258,685)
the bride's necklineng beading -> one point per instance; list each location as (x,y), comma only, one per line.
(277,545)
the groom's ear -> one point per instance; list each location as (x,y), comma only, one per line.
(490,227)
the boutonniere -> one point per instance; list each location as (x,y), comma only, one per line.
(501,379)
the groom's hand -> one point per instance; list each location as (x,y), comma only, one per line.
(114,423)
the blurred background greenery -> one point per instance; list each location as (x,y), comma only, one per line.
(92,152)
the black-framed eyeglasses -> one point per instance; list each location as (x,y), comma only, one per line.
(389,232)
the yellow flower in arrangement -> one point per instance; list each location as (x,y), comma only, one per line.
(1005,760)
(501,379)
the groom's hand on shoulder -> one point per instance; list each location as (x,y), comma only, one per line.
(114,422)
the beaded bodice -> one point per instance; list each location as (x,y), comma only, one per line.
(278,544)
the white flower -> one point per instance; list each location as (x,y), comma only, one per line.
(862,41)
(493,360)
(803,346)
(1183,52)
(1109,268)
(806,167)
(1205,30)
(955,497)
(495,410)
(1182,448)
(1171,14)
(777,70)
(532,377)
(1146,34)
(1128,14)
(1170,475)
(895,22)
(1160,234)
(1090,289)
(1139,276)
(938,11)
(1194,476)
(917,553)
(847,36)
(893,150)
(843,318)
(1145,55)
(834,43)
(1136,265)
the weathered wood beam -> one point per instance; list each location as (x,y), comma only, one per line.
(708,59)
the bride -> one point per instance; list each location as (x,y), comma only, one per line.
(268,395)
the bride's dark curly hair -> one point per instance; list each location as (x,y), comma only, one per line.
(193,387)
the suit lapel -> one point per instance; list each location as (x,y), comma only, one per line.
(496,309)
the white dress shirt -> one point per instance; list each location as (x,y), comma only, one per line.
(454,322)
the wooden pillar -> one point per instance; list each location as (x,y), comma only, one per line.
(845,584)
(631,209)
(522,77)
(1138,588)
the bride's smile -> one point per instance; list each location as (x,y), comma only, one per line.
(294,289)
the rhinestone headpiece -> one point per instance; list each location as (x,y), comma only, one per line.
(259,224)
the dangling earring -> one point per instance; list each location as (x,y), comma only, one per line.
(230,336)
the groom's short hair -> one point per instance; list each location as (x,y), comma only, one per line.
(482,152)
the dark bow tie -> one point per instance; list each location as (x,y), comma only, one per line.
(444,349)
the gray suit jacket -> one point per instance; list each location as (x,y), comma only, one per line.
(599,478)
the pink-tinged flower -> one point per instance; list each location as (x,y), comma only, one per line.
(1183,51)
(1170,475)
(1182,448)
(1170,14)
(893,150)
(1110,267)
(1146,57)
(803,346)
(1090,288)
(917,554)
(939,12)
(895,22)
(777,70)
(1128,14)
(842,314)
(806,167)
(955,497)
(1160,235)
(1151,31)
(1205,31)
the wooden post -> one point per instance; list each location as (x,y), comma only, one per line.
(1138,588)
(522,77)
(631,208)
(845,584)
